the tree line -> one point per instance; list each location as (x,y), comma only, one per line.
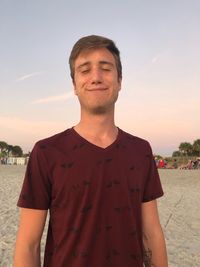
(7,150)
(188,149)
(185,149)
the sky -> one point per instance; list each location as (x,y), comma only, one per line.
(159,43)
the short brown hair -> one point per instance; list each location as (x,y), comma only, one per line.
(92,42)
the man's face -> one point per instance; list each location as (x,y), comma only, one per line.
(96,81)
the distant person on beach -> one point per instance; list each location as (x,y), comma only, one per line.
(175,164)
(99,183)
(161,164)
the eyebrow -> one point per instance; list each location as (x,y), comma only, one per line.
(102,62)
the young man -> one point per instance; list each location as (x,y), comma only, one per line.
(98,182)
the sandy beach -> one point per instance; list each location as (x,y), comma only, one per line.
(179,214)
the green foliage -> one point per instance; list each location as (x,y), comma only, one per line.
(3,149)
(3,146)
(7,150)
(176,154)
(158,157)
(185,148)
(188,150)
(17,151)
(196,147)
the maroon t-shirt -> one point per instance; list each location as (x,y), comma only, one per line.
(94,196)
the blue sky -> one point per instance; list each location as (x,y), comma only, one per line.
(160,51)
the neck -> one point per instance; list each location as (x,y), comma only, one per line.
(99,129)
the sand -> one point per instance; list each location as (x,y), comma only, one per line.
(179,214)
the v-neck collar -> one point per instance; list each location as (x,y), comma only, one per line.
(94,146)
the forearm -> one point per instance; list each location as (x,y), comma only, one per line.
(26,256)
(27,251)
(155,254)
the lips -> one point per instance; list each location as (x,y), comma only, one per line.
(97,89)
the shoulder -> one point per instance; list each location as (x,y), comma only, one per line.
(137,142)
(54,140)
(51,148)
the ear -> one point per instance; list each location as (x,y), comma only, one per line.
(74,85)
(120,83)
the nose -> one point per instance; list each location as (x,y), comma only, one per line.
(96,76)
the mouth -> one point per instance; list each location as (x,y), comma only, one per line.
(97,89)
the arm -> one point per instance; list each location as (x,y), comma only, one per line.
(155,254)
(27,250)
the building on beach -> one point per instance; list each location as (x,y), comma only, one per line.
(14,160)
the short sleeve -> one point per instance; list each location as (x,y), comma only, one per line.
(153,188)
(36,188)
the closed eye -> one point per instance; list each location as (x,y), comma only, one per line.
(106,69)
(106,66)
(85,71)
